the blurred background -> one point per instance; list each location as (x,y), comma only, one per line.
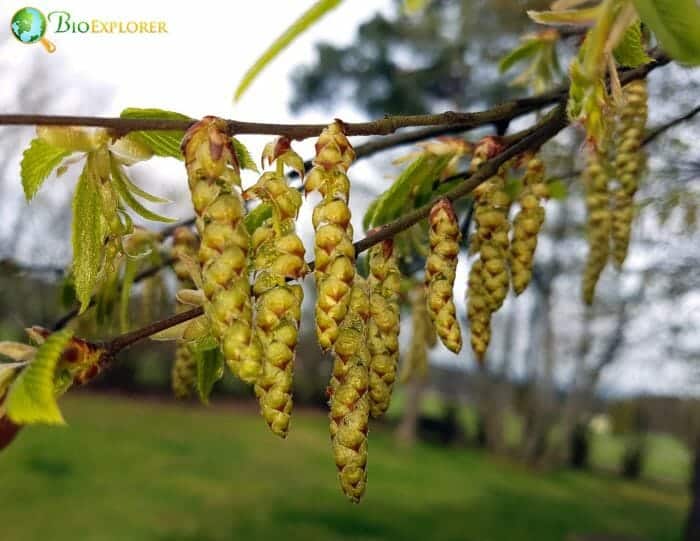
(585,424)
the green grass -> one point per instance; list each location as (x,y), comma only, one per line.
(143,470)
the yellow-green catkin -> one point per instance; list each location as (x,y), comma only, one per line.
(599,220)
(184,371)
(494,245)
(214,180)
(278,260)
(383,329)
(527,224)
(415,362)
(440,269)
(629,162)
(334,253)
(349,395)
(478,311)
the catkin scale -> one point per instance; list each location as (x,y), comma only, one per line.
(214,180)
(349,395)
(184,371)
(383,328)
(440,268)
(599,221)
(527,224)
(629,161)
(478,311)
(333,250)
(278,258)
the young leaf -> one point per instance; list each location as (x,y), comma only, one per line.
(130,268)
(522,52)
(257,216)
(128,198)
(312,15)
(32,397)
(143,194)
(88,236)
(38,161)
(210,369)
(164,143)
(245,160)
(557,188)
(676,24)
(17,351)
(630,51)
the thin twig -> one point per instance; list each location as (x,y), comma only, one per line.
(656,132)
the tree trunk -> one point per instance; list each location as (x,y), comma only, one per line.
(407,430)
(692,526)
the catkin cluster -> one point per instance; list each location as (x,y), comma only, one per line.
(278,258)
(334,252)
(527,224)
(629,161)
(349,394)
(599,220)
(214,179)
(440,268)
(383,328)
(184,372)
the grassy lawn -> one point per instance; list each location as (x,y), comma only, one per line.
(135,470)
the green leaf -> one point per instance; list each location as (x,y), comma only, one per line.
(557,188)
(257,216)
(38,161)
(245,160)
(578,17)
(676,24)
(32,397)
(128,198)
(210,367)
(630,51)
(164,143)
(143,194)
(522,52)
(307,19)
(89,232)
(414,180)
(414,6)
(125,294)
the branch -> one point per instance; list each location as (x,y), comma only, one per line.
(654,133)
(547,128)
(384,126)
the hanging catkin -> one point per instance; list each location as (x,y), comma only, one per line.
(349,395)
(478,311)
(440,268)
(278,258)
(527,224)
(629,162)
(598,221)
(383,329)
(184,371)
(334,253)
(214,180)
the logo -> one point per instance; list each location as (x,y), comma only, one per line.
(29,25)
